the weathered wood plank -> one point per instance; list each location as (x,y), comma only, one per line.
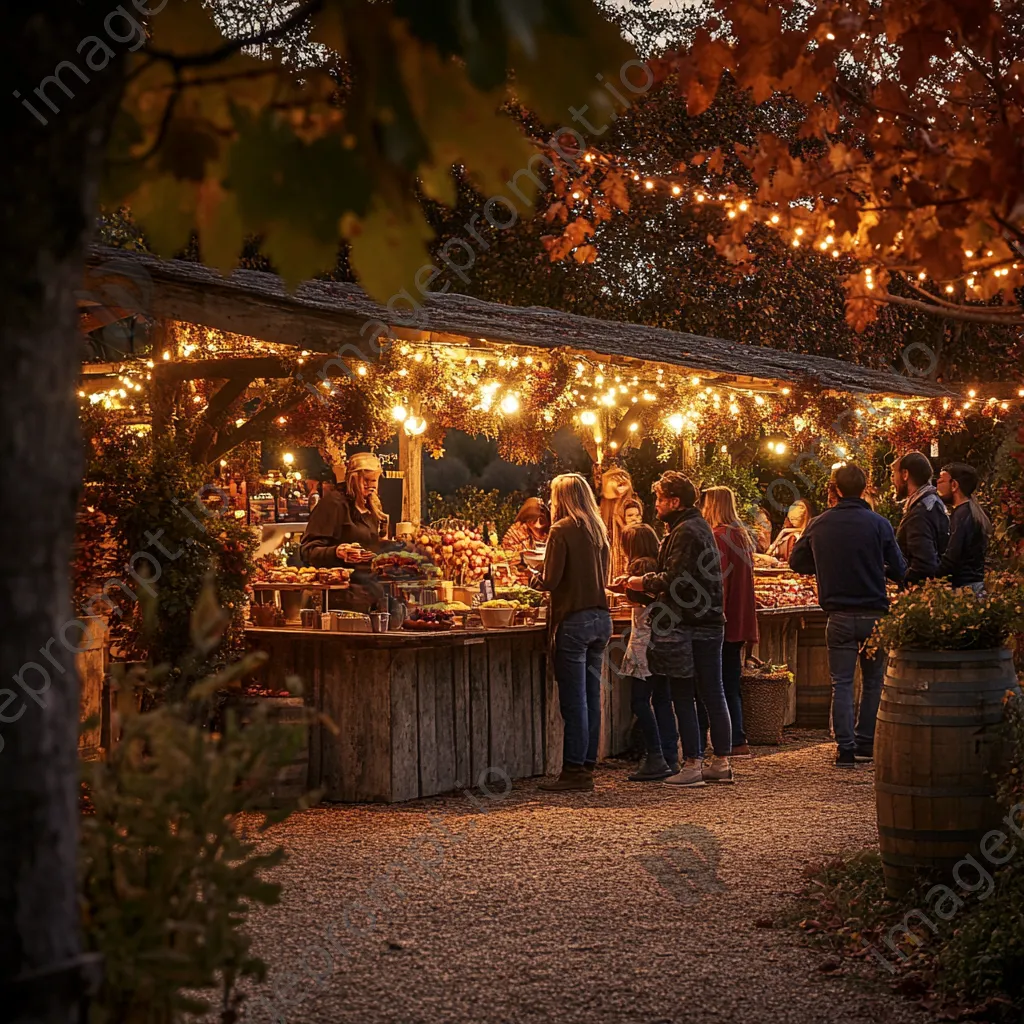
(460,691)
(405,750)
(538,669)
(501,720)
(480,709)
(621,726)
(427,717)
(444,719)
(522,706)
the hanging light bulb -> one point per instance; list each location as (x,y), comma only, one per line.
(675,421)
(588,419)
(415,425)
(509,405)
(399,413)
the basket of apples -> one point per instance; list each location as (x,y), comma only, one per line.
(460,551)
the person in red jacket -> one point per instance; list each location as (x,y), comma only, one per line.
(736,547)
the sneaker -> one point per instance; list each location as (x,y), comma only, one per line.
(689,776)
(863,756)
(652,769)
(845,759)
(719,770)
(742,751)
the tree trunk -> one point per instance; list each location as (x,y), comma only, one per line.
(51,172)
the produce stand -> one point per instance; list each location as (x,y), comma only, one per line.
(423,712)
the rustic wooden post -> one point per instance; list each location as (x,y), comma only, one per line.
(410,464)
(165,390)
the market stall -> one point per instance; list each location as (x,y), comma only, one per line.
(424,705)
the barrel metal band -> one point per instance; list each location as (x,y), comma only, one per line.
(965,835)
(952,791)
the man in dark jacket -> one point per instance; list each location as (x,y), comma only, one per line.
(963,561)
(851,550)
(924,529)
(688,626)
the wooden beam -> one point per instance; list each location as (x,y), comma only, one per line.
(249,367)
(410,463)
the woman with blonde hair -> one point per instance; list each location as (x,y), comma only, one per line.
(736,548)
(798,515)
(575,570)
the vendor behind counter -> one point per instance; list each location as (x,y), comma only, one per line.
(346,515)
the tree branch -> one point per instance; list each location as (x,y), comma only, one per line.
(297,16)
(960,313)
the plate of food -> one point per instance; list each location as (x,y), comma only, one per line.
(354,553)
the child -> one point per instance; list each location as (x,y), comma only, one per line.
(658,723)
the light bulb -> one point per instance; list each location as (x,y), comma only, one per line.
(287,458)
(510,405)
(399,413)
(675,421)
(588,419)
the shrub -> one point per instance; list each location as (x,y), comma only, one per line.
(475,506)
(167,881)
(935,617)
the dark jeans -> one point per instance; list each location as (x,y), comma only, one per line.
(579,653)
(844,636)
(732,671)
(657,723)
(707,664)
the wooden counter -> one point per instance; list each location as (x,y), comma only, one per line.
(419,713)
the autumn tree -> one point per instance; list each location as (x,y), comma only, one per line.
(903,157)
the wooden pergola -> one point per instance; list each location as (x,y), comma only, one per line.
(332,322)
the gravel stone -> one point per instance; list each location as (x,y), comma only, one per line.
(634,904)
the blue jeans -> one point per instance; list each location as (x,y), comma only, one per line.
(657,723)
(732,671)
(579,653)
(707,664)
(845,634)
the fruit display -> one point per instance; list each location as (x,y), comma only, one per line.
(461,554)
(785,591)
(526,597)
(403,565)
(302,576)
(429,619)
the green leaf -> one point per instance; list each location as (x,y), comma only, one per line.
(387,248)
(165,207)
(278,177)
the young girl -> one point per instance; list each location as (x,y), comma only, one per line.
(658,723)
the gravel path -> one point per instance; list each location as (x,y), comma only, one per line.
(634,903)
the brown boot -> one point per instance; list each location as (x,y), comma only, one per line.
(573,779)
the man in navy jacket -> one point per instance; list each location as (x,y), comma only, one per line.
(923,532)
(851,550)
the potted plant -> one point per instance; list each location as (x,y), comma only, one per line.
(938,745)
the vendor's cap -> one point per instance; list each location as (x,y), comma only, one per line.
(364,461)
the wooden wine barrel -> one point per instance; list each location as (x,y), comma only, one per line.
(813,682)
(937,752)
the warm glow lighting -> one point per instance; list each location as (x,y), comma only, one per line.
(968,253)
(648,184)
(287,458)
(633,427)
(399,413)
(598,438)
(675,421)
(223,463)
(415,425)
(829,239)
(949,289)
(695,381)
(775,218)
(799,231)
(361,371)
(418,357)
(166,355)
(971,393)
(785,391)
(575,195)
(780,448)
(238,423)
(796,243)
(281,420)
(676,190)
(758,400)
(732,215)
(588,419)
(510,405)
(743,207)
(830,37)
(613,445)
(921,276)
